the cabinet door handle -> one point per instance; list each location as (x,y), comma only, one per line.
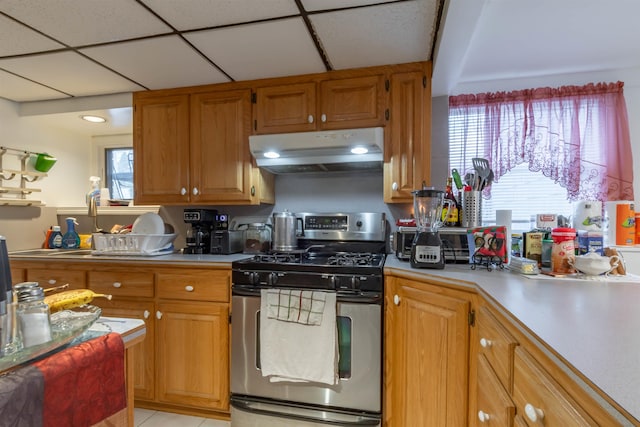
(146,314)
(183,191)
(323,118)
(188,288)
(158,315)
(310,118)
(485,342)
(52,281)
(483,417)
(394,186)
(195,191)
(396,299)
(117,284)
(534,414)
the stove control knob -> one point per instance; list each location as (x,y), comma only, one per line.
(359,224)
(334,282)
(355,282)
(254,278)
(272,278)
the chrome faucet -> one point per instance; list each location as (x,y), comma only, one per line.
(93,212)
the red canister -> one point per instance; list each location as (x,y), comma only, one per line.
(563,249)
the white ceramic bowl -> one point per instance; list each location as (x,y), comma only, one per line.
(593,264)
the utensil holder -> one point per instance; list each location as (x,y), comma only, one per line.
(471,209)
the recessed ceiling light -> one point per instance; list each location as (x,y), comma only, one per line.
(359,150)
(271,155)
(93,119)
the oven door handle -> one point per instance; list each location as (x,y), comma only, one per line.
(304,413)
(359,298)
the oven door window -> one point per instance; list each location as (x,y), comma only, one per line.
(344,326)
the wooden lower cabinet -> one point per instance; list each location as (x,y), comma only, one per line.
(144,354)
(426,354)
(193,361)
(517,384)
(52,277)
(183,363)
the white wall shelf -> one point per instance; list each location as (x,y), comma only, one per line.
(21,191)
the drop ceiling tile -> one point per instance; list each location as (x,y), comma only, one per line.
(70,73)
(18,39)
(387,34)
(148,62)
(269,49)
(211,13)
(313,5)
(78,23)
(18,89)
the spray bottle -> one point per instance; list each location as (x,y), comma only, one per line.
(95,190)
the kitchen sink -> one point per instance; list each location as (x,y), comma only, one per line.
(51,252)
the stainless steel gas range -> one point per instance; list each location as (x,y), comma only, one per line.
(341,258)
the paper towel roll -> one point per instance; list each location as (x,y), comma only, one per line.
(588,215)
(619,220)
(503,217)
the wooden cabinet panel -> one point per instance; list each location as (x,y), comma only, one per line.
(161,148)
(497,345)
(286,108)
(220,165)
(56,277)
(193,360)
(144,354)
(357,102)
(407,140)
(540,400)
(122,283)
(426,356)
(495,407)
(206,285)
(18,275)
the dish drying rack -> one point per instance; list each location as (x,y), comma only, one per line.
(20,192)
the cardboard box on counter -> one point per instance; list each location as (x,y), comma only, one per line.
(588,240)
(532,244)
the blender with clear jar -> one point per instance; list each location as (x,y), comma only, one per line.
(427,251)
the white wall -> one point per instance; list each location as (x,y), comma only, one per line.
(67,182)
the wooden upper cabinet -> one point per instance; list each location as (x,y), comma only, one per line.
(407,138)
(161,147)
(357,102)
(193,148)
(221,169)
(286,108)
(343,103)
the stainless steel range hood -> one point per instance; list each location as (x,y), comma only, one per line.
(324,151)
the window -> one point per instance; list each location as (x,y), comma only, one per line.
(547,147)
(119,172)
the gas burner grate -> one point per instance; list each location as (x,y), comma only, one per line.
(280,258)
(351,259)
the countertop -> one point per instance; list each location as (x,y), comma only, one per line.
(592,325)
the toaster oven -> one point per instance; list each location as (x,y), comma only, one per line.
(454,243)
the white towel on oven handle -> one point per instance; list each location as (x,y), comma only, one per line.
(296,352)
(293,305)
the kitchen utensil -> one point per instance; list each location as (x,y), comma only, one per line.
(456,178)
(148,223)
(470,179)
(482,169)
(285,233)
(427,250)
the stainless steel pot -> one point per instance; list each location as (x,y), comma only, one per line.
(285,231)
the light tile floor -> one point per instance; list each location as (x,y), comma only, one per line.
(149,418)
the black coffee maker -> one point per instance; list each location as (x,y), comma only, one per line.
(203,225)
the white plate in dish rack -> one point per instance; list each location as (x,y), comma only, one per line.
(148,223)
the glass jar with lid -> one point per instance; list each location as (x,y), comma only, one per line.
(33,314)
(257,238)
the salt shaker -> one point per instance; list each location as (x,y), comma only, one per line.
(33,315)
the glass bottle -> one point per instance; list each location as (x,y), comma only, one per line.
(451,209)
(34,321)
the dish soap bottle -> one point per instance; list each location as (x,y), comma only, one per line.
(55,239)
(71,239)
(95,190)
